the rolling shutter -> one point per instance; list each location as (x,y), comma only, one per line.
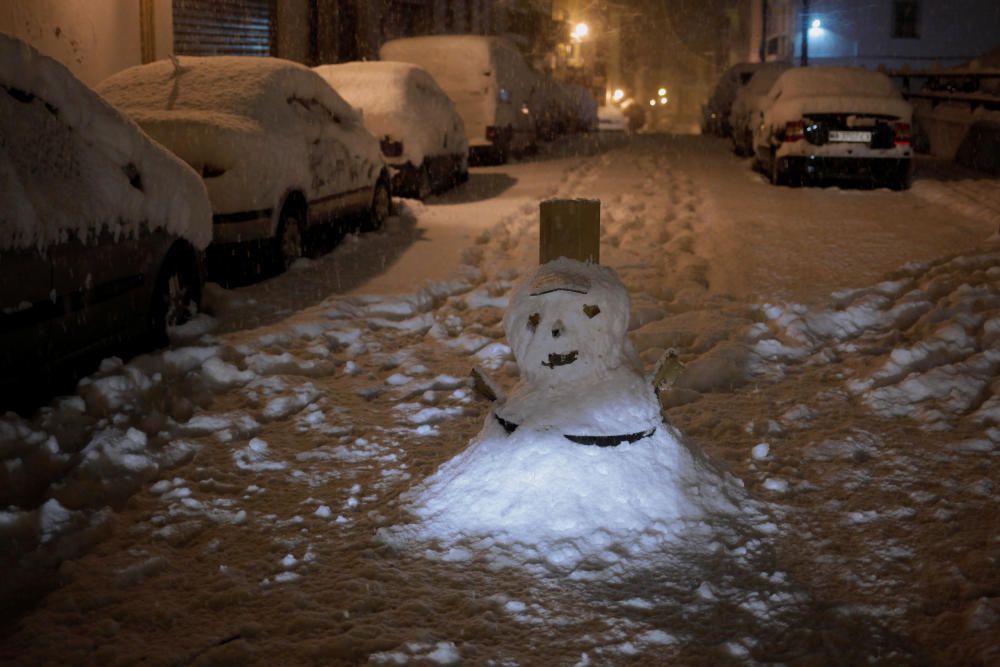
(223,27)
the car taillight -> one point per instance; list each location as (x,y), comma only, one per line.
(903,134)
(795,130)
(391,148)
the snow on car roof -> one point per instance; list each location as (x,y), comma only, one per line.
(238,85)
(803,90)
(97,169)
(763,78)
(402,101)
(847,81)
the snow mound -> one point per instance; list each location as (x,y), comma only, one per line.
(932,335)
(544,501)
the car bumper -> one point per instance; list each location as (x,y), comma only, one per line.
(848,167)
(242,226)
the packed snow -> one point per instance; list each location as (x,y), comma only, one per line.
(307,473)
(72,167)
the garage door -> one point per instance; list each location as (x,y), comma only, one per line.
(223,27)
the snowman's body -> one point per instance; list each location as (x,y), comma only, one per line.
(533,479)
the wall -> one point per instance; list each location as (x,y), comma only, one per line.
(293,30)
(92,38)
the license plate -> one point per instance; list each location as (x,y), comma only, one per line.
(854,136)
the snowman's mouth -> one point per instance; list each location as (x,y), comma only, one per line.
(556,359)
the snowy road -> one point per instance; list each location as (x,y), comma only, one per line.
(233,498)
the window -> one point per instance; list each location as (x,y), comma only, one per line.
(905,19)
(223,27)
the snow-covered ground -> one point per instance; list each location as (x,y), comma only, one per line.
(241,496)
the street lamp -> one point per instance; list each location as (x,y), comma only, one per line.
(618,95)
(661,92)
(580,32)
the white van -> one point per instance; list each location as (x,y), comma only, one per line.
(486,78)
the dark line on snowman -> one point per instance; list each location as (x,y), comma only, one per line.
(590,440)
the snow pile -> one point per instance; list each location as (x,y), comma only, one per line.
(71,166)
(933,333)
(256,128)
(576,471)
(403,102)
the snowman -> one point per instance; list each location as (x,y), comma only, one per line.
(576,468)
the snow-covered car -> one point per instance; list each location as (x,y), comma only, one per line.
(835,121)
(101,229)
(582,108)
(715,112)
(421,134)
(279,150)
(748,108)
(486,78)
(611,119)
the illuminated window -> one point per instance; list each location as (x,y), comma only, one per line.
(905,19)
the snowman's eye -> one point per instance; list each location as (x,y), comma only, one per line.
(591,311)
(534,321)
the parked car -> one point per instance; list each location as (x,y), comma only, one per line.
(488,81)
(747,111)
(279,150)
(101,229)
(422,136)
(835,121)
(715,112)
(611,119)
(583,108)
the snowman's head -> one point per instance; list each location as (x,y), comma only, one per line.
(567,321)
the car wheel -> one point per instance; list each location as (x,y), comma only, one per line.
(779,171)
(176,296)
(424,187)
(902,179)
(289,244)
(381,207)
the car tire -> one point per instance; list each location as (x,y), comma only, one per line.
(177,294)
(425,187)
(289,243)
(902,179)
(381,207)
(781,173)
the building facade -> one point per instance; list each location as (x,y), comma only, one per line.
(894,34)
(96,38)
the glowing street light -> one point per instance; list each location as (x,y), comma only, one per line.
(815,28)
(663,100)
(618,95)
(652,103)
(661,92)
(580,31)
